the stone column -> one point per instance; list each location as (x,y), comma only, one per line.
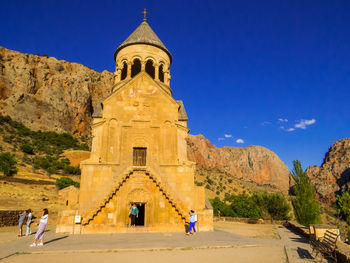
(128,75)
(117,75)
(167,78)
(143,65)
(156,71)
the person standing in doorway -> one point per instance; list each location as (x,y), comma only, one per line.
(42,226)
(133,214)
(192,226)
(29,221)
(21,219)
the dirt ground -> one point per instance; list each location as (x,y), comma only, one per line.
(249,230)
(264,254)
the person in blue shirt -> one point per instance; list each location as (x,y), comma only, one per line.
(193,220)
(133,214)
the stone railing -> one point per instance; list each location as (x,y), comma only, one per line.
(248,220)
(9,217)
(342,250)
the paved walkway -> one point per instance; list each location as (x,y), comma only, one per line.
(296,247)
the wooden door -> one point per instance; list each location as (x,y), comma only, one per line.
(139,156)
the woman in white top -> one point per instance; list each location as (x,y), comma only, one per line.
(42,225)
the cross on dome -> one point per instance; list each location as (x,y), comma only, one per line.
(144,12)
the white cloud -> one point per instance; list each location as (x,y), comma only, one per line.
(291,129)
(221,139)
(239,141)
(265,123)
(302,124)
(228,135)
(282,120)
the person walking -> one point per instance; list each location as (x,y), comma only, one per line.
(29,221)
(42,226)
(133,213)
(192,226)
(21,219)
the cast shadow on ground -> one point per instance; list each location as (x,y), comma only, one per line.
(55,239)
(303,253)
(299,240)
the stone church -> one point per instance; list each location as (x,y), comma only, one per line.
(139,151)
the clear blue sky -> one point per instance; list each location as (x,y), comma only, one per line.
(239,66)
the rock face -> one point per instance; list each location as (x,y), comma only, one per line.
(254,163)
(49,94)
(333,176)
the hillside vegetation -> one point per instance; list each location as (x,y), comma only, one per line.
(41,150)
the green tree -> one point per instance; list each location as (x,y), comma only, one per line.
(8,164)
(343,202)
(306,207)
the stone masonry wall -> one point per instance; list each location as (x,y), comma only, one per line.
(9,217)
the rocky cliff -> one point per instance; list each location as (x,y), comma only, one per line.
(333,176)
(253,163)
(49,94)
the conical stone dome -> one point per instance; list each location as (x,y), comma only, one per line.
(143,34)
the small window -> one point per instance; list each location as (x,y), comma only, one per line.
(135,68)
(161,73)
(139,156)
(150,68)
(124,71)
(66,202)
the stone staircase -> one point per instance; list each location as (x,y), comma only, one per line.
(116,186)
(177,205)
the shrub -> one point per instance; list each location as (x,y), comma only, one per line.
(64,182)
(306,208)
(343,202)
(225,210)
(273,206)
(209,181)
(8,164)
(244,206)
(75,170)
(27,148)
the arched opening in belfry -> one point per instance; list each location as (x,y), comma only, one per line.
(124,71)
(150,68)
(136,67)
(161,73)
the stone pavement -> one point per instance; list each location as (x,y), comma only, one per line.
(297,248)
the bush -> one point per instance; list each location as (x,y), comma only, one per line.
(8,164)
(343,202)
(244,206)
(225,210)
(75,170)
(306,208)
(64,182)
(27,148)
(272,206)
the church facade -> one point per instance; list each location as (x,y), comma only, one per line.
(139,151)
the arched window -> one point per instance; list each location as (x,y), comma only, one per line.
(136,67)
(161,73)
(124,71)
(150,68)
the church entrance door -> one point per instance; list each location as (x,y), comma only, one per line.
(140,220)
